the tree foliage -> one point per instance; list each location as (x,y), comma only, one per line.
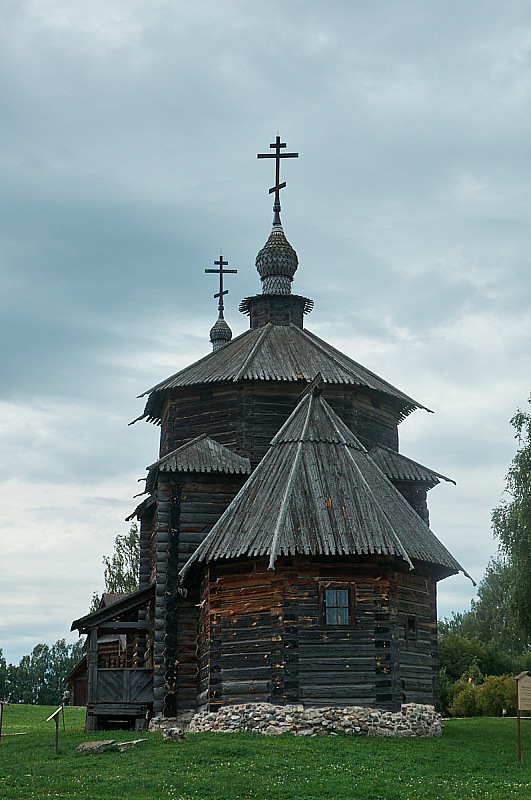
(492,618)
(511,522)
(493,638)
(39,678)
(122,568)
(489,699)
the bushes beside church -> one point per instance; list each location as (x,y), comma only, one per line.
(476,680)
(488,699)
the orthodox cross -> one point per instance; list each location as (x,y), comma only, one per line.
(277,155)
(221,272)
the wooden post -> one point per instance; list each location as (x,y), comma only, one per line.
(518,721)
(523,702)
(2,704)
(55,717)
(93,666)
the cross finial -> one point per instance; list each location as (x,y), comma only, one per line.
(277,155)
(221,272)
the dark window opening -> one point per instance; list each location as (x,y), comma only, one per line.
(375,403)
(411,630)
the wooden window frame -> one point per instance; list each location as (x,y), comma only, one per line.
(351,589)
(412,629)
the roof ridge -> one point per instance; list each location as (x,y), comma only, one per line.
(289,485)
(411,461)
(318,344)
(355,441)
(341,359)
(263,335)
(395,536)
(193,364)
(181,448)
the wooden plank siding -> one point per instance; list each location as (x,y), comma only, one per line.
(245,417)
(262,638)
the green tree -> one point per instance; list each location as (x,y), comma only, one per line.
(491,617)
(39,677)
(122,568)
(511,522)
(494,613)
(459,655)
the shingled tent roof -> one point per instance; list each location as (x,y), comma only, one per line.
(201,454)
(400,468)
(317,491)
(276,353)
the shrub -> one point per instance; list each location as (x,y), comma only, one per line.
(496,693)
(446,685)
(463,699)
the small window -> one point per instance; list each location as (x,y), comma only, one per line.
(411,630)
(336,605)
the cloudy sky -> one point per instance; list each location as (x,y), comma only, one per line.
(128,147)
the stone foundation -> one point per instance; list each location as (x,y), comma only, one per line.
(412,720)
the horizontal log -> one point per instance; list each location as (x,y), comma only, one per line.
(246,687)
(336,664)
(125,626)
(118,710)
(246,673)
(354,693)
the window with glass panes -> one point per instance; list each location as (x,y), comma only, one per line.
(336,606)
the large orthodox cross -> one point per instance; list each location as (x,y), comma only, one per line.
(277,155)
(221,272)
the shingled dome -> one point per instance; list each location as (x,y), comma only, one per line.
(220,333)
(318,492)
(277,263)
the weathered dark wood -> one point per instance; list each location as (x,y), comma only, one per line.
(252,642)
(247,416)
(125,626)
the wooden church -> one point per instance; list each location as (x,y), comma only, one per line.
(285,548)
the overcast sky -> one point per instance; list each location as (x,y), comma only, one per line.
(128,147)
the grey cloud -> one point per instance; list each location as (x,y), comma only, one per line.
(128,153)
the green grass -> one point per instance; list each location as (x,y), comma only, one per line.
(475,758)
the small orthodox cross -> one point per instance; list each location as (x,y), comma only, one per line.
(221,272)
(277,145)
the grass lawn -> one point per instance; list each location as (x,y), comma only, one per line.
(475,758)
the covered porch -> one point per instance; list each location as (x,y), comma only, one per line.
(120,686)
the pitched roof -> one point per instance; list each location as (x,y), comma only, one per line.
(201,454)
(400,468)
(317,491)
(129,603)
(277,353)
(108,598)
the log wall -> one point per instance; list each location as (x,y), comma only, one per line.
(414,596)
(262,636)
(186,508)
(246,416)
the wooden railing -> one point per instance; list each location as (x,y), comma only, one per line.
(123,686)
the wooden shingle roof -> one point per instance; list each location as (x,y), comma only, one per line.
(128,604)
(400,468)
(318,492)
(276,353)
(201,454)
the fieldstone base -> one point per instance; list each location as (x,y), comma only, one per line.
(412,720)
